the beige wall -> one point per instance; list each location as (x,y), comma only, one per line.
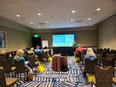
(107,33)
(18,36)
(84,36)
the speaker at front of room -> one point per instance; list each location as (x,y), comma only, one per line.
(36,41)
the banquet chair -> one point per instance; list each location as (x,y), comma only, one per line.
(7,66)
(20,68)
(103,76)
(6,82)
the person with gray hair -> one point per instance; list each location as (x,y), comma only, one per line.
(89,55)
(19,57)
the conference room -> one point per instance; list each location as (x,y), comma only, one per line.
(54,39)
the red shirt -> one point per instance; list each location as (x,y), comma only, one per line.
(79,49)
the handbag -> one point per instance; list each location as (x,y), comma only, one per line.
(29,77)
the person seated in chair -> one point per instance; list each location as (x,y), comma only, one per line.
(3,52)
(89,55)
(31,51)
(38,49)
(19,57)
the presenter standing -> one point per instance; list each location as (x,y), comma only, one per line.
(74,46)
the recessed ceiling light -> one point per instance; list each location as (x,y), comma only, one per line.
(18,15)
(31,22)
(89,18)
(73,11)
(39,27)
(39,14)
(71,20)
(46,21)
(98,9)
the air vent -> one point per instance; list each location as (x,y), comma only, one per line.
(78,21)
(94,13)
(23,18)
(41,23)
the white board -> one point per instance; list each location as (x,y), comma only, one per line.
(44,43)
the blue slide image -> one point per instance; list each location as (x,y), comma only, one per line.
(63,40)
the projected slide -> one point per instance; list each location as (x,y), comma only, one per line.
(63,40)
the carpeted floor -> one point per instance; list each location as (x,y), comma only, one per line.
(49,78)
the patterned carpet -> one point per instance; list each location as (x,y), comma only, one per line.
(71,78)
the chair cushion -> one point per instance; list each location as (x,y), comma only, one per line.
(10,81)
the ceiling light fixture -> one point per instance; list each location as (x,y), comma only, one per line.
(39,14)
(98,9)
(31,22)
(71,20)
(39,27)
(73,11)
(18,15)
(89,18)
(46,21)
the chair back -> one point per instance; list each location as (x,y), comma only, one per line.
(20,66)
(103,76)
(49,52)
(1,62)
(110,56)
(89,65)
(40,56)
(32,59)
(99,56)
(45,55)
(3,56)
(7,65)
(82,57)
(79,55)
(107,62)
(2,78)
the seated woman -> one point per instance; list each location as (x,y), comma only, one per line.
(38,49)
(3,52)
(89,55)
(19,57)
(31,51)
